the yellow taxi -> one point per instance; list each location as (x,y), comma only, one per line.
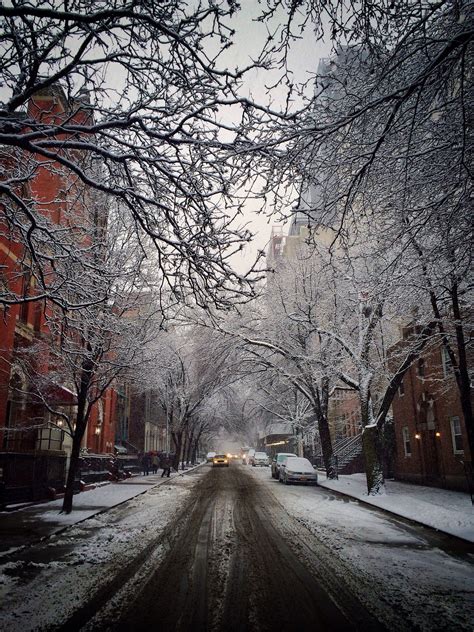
(221,460)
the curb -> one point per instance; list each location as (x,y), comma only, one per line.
(395,514)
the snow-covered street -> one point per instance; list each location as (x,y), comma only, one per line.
(235,547)
(42,586)
(412,577)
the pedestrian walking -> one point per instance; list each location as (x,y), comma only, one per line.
(155,463)
(146,464)
(166,464)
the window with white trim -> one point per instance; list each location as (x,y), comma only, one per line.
(456,435)
(446,363)
(406,441)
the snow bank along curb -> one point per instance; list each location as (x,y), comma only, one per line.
(64,528)
(457,523)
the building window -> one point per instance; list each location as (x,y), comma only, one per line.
(421,367)
(50,438)
(401,389)
(406,441)
(37,316)
(446,363)
(26,291)
(456,435)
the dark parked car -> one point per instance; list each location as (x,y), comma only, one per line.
(277,461)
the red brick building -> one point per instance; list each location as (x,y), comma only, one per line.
(344,413)
(431,440)
(25,425)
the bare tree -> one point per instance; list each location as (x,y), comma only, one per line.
(135,91)
(384,148)
(193,369)
(87,350)
(280,334)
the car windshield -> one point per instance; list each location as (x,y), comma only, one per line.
(260,455)
(297,463)
(220,456)
(282,457)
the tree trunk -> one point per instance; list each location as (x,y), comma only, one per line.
(463,380)
(83,411)
(371,438)
(185,449)
(324,434)
(195,451)
(71,475)
(190,448)
(178,442)
(372,447)
(326,445)
(196,446)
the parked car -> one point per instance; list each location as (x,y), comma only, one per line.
(260,458)
(220,460)
(278,460)
(298,470)
(249,456)
(210,456)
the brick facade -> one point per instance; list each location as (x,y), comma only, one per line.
(55,195)
(430,433)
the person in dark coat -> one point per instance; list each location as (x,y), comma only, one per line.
(166,464)
(146,464)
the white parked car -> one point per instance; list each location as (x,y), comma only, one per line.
(210,456)
(260,458)
(297,470)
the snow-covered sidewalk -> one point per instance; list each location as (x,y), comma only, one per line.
(445,510)
(32,523)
